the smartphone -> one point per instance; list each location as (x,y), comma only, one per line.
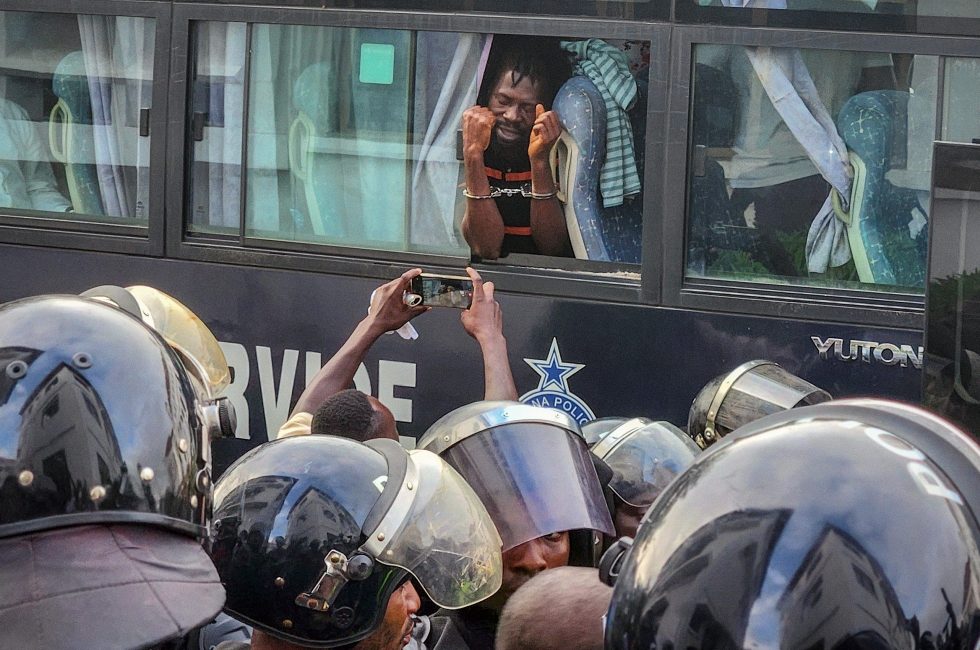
(443,290)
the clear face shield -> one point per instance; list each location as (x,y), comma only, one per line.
(190,338)
(751,391)
(428,522)
(644,457)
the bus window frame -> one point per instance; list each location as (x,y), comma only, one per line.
(80,232)
(689,12)
(857,306)
(545,278)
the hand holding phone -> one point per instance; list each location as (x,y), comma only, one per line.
(443,290)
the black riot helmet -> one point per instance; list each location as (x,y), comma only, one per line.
(750,391)
(531,468)
(313,534)
(813,528)
(103,454)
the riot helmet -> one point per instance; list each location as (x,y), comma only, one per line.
(750,391)
(644,457)
(194,343)
(313,534)
(594,430)
(528,464)
(100,436)
(812,528)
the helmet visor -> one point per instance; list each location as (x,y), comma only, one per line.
(646,460)
(187,333)
(443,535)
(534,478)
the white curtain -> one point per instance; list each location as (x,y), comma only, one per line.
(118,54)
(436,177)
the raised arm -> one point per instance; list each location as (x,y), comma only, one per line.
(387,313)
(548,228)
(484,321)
(482,227)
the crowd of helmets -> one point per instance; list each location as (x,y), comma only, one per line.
(779,519)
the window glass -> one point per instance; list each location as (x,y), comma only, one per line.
(961,105)
(827,186)
(215,133)
(355,138)
(912,8)
(75,100)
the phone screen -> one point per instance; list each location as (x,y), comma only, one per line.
(444,290)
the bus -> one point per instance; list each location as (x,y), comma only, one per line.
(271,164)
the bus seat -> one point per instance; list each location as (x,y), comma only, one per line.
(577,157)
(70,134)
(348,150)
(885,243)
(596,233)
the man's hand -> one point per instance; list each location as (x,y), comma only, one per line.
(388,310)
(483,320)
(544,134)
(478,124)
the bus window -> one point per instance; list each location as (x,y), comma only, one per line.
(75,96)
(823,184)
(961,117)
(217,110)
(913,8)
(354,137)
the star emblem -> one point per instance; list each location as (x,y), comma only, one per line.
(553,371)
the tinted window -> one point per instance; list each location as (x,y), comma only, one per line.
(828,186)
(75,100)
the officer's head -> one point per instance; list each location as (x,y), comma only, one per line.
(531,468)
(644,457)
(104,480)
(355,415)
(818,527)
(316,537)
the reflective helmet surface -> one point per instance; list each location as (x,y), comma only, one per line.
(753,390)
(98,422)
(644,457)
(811,532)
(312,535)
(528,464)
(595,430)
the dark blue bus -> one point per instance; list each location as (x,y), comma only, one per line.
(269,165)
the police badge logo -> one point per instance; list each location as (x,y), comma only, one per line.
(552,390)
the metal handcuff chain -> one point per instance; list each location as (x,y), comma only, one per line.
(524,191)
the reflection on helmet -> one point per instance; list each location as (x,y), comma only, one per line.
(98,422)
(805,532)
(595,430)
(313,534)
(645,457)
(529,465)
(194,343)
(751,391)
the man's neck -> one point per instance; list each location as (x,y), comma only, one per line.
(263,641)
(511,156)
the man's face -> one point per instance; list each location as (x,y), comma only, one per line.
(513,105)
(386,427)
(626,518)
(526,560)
(396,628)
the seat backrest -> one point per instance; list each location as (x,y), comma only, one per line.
(348,145)
(597,233)
(878,220)
(70,133)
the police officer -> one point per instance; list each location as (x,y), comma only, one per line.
(532,469)
(826,526)
(104,480)
(318,538)
(644,457)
